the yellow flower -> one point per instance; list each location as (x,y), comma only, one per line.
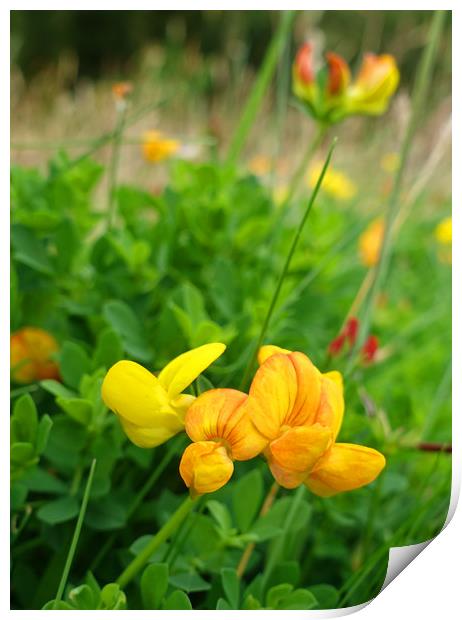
(299,411)
(152,409)
(390,162)
(31,352)
(156,147)
(222,433)
(370,242)
(377,81)
(260,165)
(335,183)
(443,232)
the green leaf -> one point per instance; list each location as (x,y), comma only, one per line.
(112,597)
(18,495)
(221,514)
(43,433)
(25,419)
(22,452)
(285,572)
(190,582)
(82,597)
(74,363)
(298,599)
(177,600)
(326,595)
(29,250)
(246,499)
(223,604)
(57,389)
(278,593)
(231,586)
(59,510)
(42,481)
(61,605)
(106,515)
(108,349)
(126,324)
(251,602)
(154,584)
(79,409)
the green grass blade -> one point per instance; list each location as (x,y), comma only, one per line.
(75,537)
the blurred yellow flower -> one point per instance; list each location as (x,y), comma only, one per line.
(152,409)
(260,165)
(370,242)
(222,433)
(443,234)
(336,183)
(31,352)
(156,147)
(390,162)
(299,412)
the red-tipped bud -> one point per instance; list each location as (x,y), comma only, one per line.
(370,349)
(339,74)
(336,345)
(303,65)
(351,330)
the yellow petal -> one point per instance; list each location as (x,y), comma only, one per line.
(134,393)
(205,467)
(292,455)
(149,437)
(332,405)
(268,350)
(219,415)
(182,371)
(343,468)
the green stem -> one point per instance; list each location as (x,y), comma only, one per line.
(280,543)
(75,537)
(286,266)
(114,166)
(303,165)
(259,89)
(162,535)
(420,92)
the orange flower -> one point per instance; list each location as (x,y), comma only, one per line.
(156,147)
(31,352)
(299,411)
(121,90)
(222,433)
(370,242)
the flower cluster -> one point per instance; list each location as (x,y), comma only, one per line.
(292,416)
(348,337)
(32,352)
(156,147)
(329,94)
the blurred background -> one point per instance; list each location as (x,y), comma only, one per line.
(193,70)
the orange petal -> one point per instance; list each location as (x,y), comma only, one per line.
(218,414)
(338,74)
(268,350)
(272,395)
(205,467)
(308,391)
(292,455)
(345,467)
(331,405)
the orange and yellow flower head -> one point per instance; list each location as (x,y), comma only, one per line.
(330,95)
(370,242)
(31,355)
(156,147)
(299,412)
(218,424)
(152,409)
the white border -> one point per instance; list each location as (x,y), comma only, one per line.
(432,585)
